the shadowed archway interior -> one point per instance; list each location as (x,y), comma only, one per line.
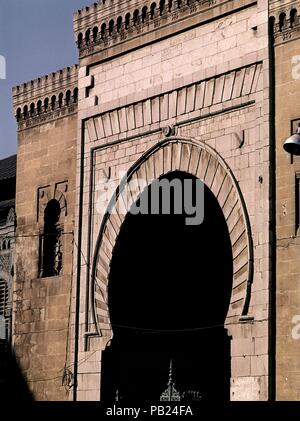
(164,305)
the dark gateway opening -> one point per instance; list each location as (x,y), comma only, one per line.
(169,293)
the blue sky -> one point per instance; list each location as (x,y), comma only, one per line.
(36,38)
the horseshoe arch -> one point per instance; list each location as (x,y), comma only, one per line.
(202,161)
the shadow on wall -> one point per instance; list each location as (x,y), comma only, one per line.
(13,386)
(169,291)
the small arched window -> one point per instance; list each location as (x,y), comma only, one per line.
(119,24)
(53,102)
(75,95)
(25,112)
(79,40)
(68,97)
(282,21)
(87,36)
(127,20)
(95,33)
(51,243)
(144,13)
(293,17)
(136,17)
(103,30)
(161,7)
(39,107)
(152,10)
(46,104)
(32,109)
(18,115)
(60,100)
(111,27)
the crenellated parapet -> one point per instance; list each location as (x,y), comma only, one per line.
(46,98)
(285,20)
(107,23)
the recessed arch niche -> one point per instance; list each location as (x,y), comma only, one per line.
(203,162)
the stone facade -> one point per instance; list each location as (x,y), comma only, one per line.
(180,86)
(47,122)
(206,78)
(285,24)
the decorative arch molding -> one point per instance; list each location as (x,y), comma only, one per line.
(202,161)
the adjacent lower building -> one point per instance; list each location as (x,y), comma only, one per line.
(45,203)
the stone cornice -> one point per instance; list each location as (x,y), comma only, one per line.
(46,98)
(46,116)
(98,29)
(285,19)
(45,85)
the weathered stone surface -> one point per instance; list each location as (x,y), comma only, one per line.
(47,164)
(199,81)
(287,102)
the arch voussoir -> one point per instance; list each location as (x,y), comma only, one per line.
(198,159)
(141,176)
(176,156)
(110,232)
(230,203)
(158,162)
(224,191)
(203,164)
(185,157)
(234,216)
(210,173)
(239,245)
(167,158)
(150,170)
(218,181)
(133,190)
(115,222)
(194,160)
(237,230)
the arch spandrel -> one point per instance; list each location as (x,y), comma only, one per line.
(202,161)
